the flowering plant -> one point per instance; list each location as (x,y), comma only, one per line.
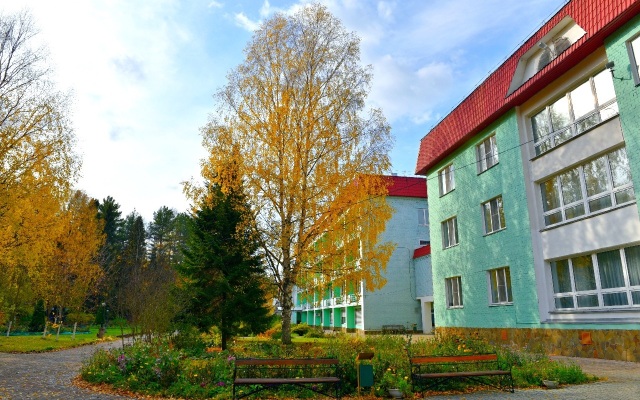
(393,379)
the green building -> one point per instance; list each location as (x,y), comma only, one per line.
(534,182)
(406,299)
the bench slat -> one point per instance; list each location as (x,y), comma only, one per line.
(286,361)
(268,381)
(452,359)
(462,374)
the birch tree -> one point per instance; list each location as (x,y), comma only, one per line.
(293,116)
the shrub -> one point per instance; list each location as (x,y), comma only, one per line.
(300,329)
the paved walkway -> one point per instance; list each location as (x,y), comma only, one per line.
(621,381)
(48,375)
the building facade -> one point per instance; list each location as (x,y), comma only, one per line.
(534,182)
(406,298)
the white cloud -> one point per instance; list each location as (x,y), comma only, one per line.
(245,23)
(215,4)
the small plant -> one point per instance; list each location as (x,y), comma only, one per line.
(394,379)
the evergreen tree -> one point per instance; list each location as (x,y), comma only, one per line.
(223,275)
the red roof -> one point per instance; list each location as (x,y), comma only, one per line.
(489,101)
(407,186)
(422,251)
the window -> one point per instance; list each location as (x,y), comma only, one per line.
(454,292)
(450,232)
(493,215)
(423,217)
(601,280)
(592,187)
(445,180)
(423,242)
(487,154)
(633,47)
(500,286)
(591,103)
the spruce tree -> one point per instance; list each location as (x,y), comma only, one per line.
(223,274)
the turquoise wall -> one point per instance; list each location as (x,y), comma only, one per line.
(395,303)
(477,253)
(628,94)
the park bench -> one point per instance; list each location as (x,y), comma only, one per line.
(393,329)
(316,374)
(429,371)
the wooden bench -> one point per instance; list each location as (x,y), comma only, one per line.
(315,374)
(429,371)
(393,329)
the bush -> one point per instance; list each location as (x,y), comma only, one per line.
(300,329)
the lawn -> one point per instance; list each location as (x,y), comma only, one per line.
(36,343)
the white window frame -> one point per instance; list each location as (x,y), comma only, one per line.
(496,209)
(630,291)
(423,217)
(453,287)
(487,153)
(450,235)
(558,215)
(446,180)
(633,48)
(500,286)
(551,138)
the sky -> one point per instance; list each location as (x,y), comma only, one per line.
(142,74)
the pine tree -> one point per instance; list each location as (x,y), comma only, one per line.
(222,273)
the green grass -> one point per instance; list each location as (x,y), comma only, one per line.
(36,343)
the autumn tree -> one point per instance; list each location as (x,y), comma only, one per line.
(293,115)
(223,278)
(38,163)
(80,238)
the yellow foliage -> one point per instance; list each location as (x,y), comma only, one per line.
(309,158)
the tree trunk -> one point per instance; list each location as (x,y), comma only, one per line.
(286,303)
(9,328)
(223,339)
(75,326)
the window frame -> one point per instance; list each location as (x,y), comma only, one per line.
(585,201)
(554,137)
(446,242)
(483,155)
(423,215)
(634,59)
(446,180)
(500,277)
(449,283)
(500,213)
(629,290)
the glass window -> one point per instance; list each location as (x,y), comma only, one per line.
(487,154)
(446,180)
(493,215)
(582,100)
(584,107)
(500,286)
(597,185)
(601,280)
(423,217)
(450,232)
(633,47)
(454,291)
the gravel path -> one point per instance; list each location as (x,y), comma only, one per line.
(47,375)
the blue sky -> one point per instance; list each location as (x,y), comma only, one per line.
(142,74)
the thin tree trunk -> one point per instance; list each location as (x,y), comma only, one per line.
(75,326)
(58,332)
(9,327)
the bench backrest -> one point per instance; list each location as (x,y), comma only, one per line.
(454,359)
(286,361)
